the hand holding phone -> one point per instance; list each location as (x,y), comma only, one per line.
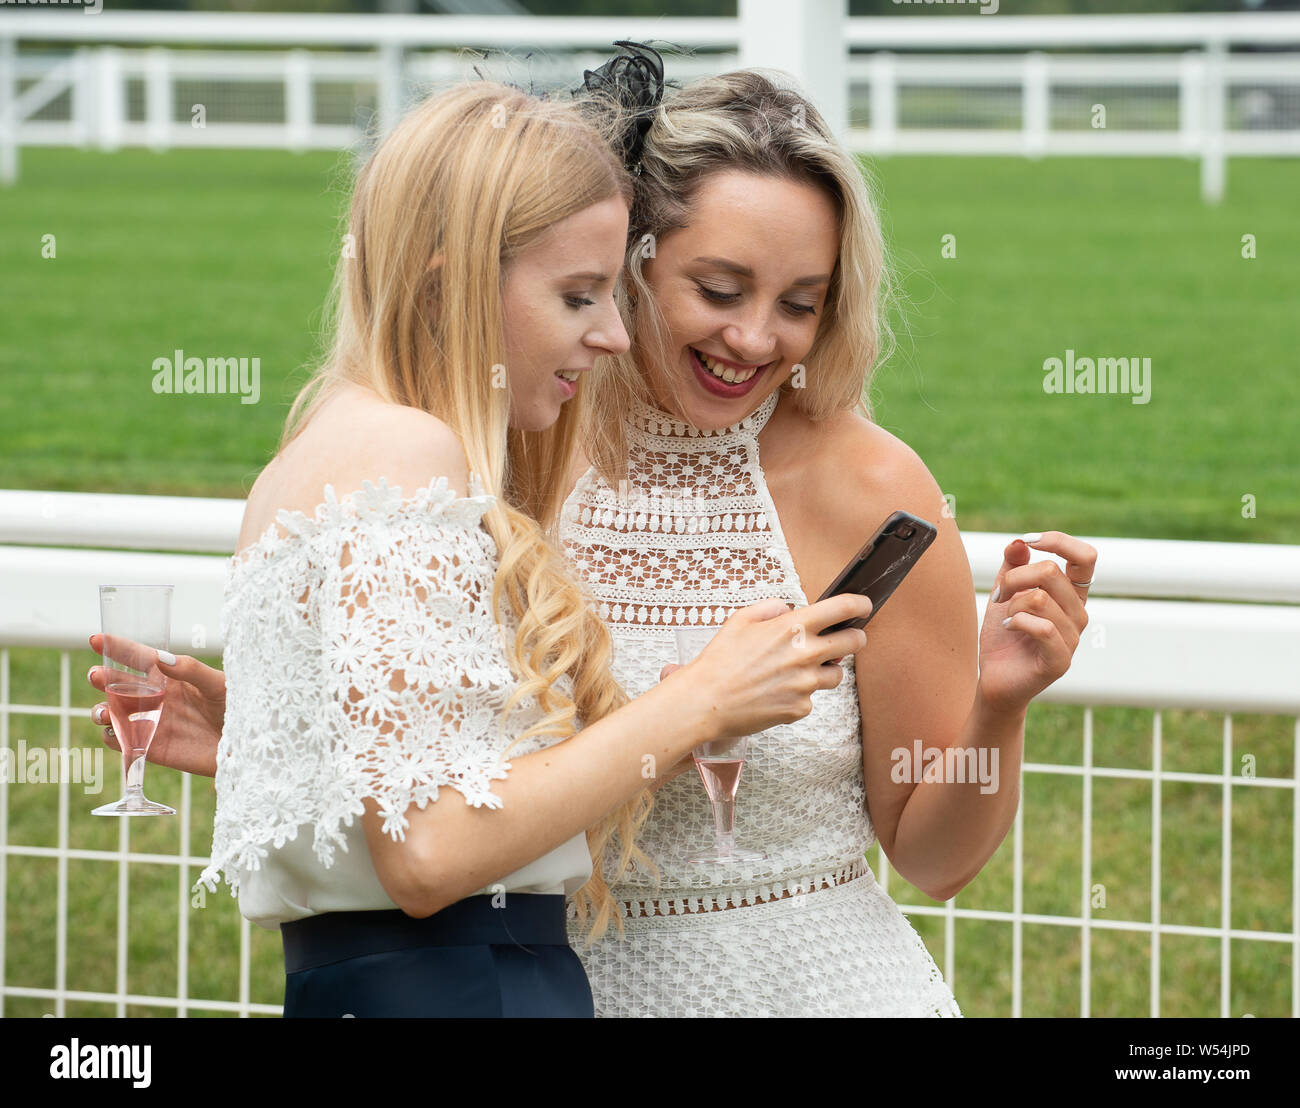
(880,566)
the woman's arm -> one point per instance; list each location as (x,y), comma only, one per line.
(930,682)
(917,681)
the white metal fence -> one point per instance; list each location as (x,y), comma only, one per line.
(108,81)
(1172,625)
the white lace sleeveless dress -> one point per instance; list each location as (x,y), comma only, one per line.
(693,537)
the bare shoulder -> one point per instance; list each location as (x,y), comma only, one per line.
(834,481)
(850,435)
(849,457)
(863,465)
(356,437)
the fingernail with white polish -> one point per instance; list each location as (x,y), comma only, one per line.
(1033,536)
(98,714)
(166,657)
(1006,621)
(996,593)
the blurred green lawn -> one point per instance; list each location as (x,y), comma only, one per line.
(230,254)
(224,254)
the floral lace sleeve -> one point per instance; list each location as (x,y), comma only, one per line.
(362,661)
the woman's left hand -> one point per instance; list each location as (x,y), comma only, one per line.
(1044,608)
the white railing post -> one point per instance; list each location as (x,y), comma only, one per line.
(884,102)
(392,85)
(83,72)
(297,100)
(158,98)
(111,94)
(1214,168)
(8,110)
(1191,100)
(805,40)
(1035,104)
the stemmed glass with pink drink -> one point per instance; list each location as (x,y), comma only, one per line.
(720,764)
(136,621)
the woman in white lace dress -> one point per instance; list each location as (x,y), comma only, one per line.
(380,647)
(735,461)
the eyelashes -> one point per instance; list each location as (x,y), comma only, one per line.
(716,297)
(577,302)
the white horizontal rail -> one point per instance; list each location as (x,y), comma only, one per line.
(944,69)
(1176,569)
(50,597)
(1028,31)
(1176,653)
(1155,70)
(1067,69)
(973,143)
(189,523)
(1111,143)
(326,65)
(215,136)
(1140,653)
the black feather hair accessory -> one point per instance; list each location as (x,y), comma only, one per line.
(635,79)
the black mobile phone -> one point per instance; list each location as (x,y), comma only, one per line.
(882,564)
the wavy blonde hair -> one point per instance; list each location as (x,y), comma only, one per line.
(472,177)
(748,120)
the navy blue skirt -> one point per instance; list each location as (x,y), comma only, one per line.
(469,960)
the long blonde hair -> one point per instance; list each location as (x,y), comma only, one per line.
(467,180)
(747,120)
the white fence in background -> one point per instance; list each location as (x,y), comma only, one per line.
(1172,625)
(915,85)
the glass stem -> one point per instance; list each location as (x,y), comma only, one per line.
(724,820)
(133,775)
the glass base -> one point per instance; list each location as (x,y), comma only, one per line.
(735,854)
(134,806)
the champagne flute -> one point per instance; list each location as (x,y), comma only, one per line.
(136,621)
(720,764)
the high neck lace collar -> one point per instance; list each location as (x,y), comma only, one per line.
(653,421)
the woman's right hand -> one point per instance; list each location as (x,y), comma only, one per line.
(766,661)
(194,710)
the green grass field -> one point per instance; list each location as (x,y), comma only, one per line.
(227,254)
(230,254)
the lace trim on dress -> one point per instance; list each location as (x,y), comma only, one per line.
(722,899)
(313,724)
(656,422)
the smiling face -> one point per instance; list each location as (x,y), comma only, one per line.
(741,290)
(560,315)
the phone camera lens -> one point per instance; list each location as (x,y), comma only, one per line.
(906,531)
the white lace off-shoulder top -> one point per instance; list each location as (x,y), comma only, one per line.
(301,749)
